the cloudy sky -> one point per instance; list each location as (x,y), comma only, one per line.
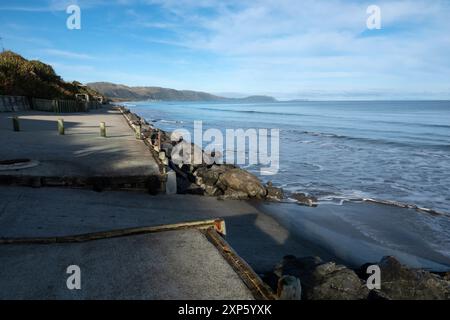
(285,48)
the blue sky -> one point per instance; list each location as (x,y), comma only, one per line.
(285,48)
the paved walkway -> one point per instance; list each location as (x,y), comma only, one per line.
(81,151)
(165,265)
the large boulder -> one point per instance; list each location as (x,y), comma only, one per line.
(323,281)
(230,194)
(210,176)
(211,190)
(243,181)
(399,282)
(336,282)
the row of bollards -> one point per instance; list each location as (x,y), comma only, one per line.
(61,130)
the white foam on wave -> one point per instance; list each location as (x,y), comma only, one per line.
(170,121)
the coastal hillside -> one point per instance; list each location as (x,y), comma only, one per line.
(33,78)
(119,92)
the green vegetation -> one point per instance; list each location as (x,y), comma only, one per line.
(32,78)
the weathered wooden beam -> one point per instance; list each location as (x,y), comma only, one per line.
(259,289)
(215,224)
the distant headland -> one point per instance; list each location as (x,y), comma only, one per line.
(119,92)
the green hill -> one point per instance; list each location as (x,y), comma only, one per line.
(119,92)
(32,78)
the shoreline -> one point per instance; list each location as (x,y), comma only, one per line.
(272,207)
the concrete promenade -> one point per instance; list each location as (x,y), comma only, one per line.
(81,151)
(166,265)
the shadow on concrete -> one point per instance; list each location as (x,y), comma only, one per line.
(81,151)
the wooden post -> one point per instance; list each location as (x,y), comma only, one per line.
(103,129)
(138,132)
(16,124)
(61,126)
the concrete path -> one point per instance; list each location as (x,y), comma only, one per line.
(166,265)
(258,238)
(81,151)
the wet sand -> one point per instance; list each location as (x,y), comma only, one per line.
(357,233)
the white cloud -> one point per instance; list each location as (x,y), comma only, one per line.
(315,44)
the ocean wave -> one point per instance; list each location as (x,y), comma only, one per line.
(338,198)
(402,123)
(406,206)
(168,121)
(258,112)
(414,124)
(342,199)
(374,141)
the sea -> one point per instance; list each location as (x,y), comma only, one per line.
(338,150)
(344,152)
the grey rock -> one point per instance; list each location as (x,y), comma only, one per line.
(446,276)
(289,288)
(274,193)
(323,281)
(399,282)
(209,176)
(336,282)
(243,181)
(231,194)
(212,191)
(305,199)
